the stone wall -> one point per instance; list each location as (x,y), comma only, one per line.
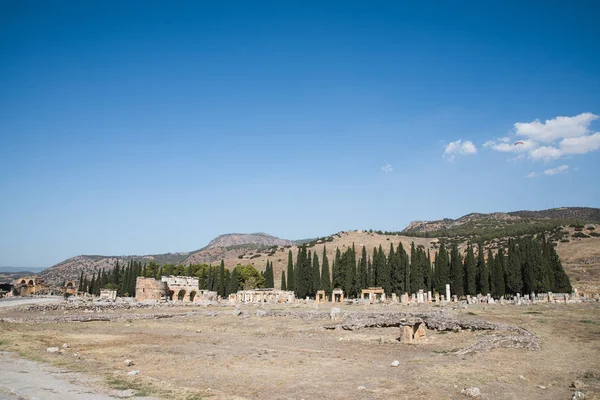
(150,289)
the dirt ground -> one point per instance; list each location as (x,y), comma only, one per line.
(211,353)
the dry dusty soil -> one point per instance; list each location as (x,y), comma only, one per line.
(228,353)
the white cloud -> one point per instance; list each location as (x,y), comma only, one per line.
(581,144)
(554,171)
(557,128)
(550,140)
(520,146)
(458,147)
(545,153)
(387,168)
(531,175)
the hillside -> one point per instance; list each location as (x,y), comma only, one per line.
(580,255)
(222,246)
(499,224)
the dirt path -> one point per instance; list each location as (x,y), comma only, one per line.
(21,301)
(23,379)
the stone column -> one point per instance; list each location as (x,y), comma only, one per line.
(448,291)
(429,298)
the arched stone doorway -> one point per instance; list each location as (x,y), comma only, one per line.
(181,295)
(30,283)
(192,296)
(171,293)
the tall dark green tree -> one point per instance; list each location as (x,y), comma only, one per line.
(80,283)
(470,272)
(442,269)
(562,284)
(491,268)
(401,283)
(234,282)
(325,277)
(483,272)
(283,282)
(336,277)
(290,272)
(499,274)
(316,273)
(221,287)
(514,281)
(457,276)
(363,273)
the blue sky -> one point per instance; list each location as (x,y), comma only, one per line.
(143,127)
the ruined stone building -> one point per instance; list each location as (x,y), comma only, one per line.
(178,288)
(373,294)
(28,285)
(70,287)
(262,296)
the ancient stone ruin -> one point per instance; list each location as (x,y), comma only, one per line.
(108,294)
(28,285)
(373,294)
(337,296)
(262,296)
(179,288)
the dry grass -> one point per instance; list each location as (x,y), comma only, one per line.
(226,356)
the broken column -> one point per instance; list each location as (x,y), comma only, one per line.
(448,292)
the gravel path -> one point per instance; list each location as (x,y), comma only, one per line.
(23,379)
(21,301)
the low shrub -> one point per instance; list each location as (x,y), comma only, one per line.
(580,235)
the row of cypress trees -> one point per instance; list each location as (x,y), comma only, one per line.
(528,265)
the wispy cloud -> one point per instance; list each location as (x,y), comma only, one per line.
(531,175)
(387,168)
(458,147)
(557,170)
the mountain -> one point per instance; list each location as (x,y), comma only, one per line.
(240,239)
(503,224)
(229,245)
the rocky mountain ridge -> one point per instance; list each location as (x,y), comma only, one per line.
(499,220)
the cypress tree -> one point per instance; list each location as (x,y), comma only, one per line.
(325,277)
(92,284)
(309,274)
(483,272)
(221,286)
(442,269)
(390,271)
(80,283)
(363,273)
(562,284)
(336,278)
(457,277)
(316,273)
(226,285)
(403,270)
(370,273)
(429,272)
(234,282)
(414,269)
(491,268)
(283,283)
(500,275)
(116,273)
(290,273)
(470,272)
(514,281)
